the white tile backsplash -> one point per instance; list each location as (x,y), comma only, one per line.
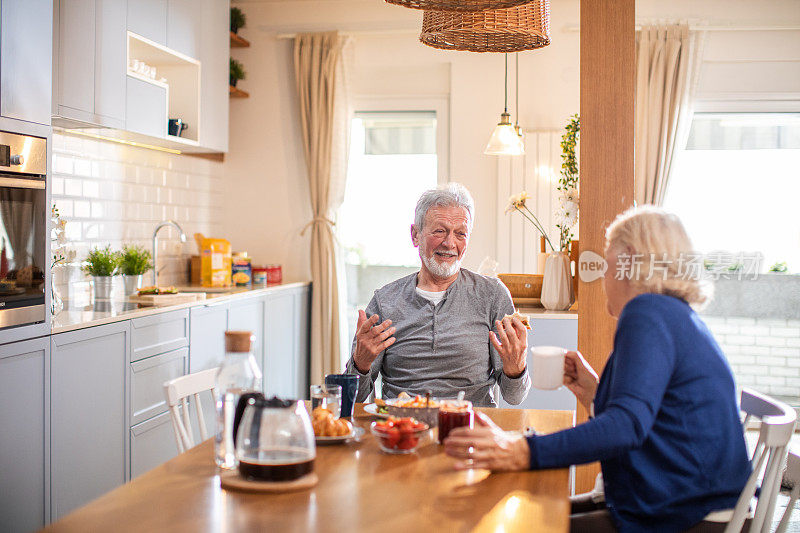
(116,194)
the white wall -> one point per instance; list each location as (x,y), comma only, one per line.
(266,196)
(266,156)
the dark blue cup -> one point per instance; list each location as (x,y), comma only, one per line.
(349,384)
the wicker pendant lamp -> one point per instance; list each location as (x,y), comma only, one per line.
(525,27)
(457,5)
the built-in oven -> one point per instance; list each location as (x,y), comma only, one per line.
(23,229)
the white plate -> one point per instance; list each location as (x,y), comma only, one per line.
(356,434)
(372,409)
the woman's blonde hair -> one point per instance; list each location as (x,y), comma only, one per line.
(656,250)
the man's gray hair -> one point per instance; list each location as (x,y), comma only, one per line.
(450,195)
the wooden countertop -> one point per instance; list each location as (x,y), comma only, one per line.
(360,489)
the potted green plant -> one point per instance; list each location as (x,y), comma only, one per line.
(238,19)
(102,264)
(134,261)
(237,72)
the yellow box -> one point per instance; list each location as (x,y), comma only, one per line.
(215,263)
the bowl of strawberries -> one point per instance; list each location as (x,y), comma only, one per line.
(399,435)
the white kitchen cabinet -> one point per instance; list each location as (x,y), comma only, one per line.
(148,18)
(549,332)
(147,378)
(248,315)
(279,372)
(24,438)
(146,108)
(26,53)
(214,76)
(91,62)
(302,336)
(184,26)
(89,442)
(207,349)
(286,351)
(159,333)
(76,55)
(152,443)
(109,59)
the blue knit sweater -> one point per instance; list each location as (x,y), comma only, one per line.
(666,428)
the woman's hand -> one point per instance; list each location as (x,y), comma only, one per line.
(487,446)
(580,378)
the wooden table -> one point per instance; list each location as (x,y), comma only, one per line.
(360,489)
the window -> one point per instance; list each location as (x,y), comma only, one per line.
(736,185)
(396,153)
(392,161)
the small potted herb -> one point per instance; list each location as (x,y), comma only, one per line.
(237,72)
(134,261)
(238,19)
(102,264)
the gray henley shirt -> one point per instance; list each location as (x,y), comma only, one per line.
(442,348)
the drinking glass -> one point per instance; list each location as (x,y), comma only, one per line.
(328,397)
(349,384)
(454,414)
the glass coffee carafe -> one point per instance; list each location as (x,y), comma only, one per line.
(275,440)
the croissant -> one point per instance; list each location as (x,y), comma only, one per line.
(326,426)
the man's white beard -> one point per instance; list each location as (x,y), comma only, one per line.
(440,270)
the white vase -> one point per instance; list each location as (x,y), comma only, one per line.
(557,292)
(541,259)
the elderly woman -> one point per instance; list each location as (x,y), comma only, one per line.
(665,421)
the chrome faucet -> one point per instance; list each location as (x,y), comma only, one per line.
(155,245)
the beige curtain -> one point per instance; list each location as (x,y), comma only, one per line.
(665,61)
(319,76)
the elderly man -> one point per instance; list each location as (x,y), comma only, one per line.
(432,330)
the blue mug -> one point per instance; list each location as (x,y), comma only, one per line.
(349,384)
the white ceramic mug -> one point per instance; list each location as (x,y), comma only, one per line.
(548,367)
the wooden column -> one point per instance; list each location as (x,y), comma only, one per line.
(606,163)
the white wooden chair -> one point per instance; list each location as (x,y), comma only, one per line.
(792,475)
(769,454)
(177,392)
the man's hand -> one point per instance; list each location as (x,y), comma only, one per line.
(511,343)
(371,340)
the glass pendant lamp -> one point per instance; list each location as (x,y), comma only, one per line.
(504,139)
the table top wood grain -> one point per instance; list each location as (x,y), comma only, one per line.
(360,489)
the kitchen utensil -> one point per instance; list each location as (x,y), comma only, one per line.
(275,442)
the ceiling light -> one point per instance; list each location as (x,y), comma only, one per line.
(504,139)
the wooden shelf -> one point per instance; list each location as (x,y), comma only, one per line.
(237,93)
(239,42)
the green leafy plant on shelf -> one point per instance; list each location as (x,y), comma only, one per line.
(135,260)
(779,268)
(237,72)
(569,196)
(238,19)
(102,262)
